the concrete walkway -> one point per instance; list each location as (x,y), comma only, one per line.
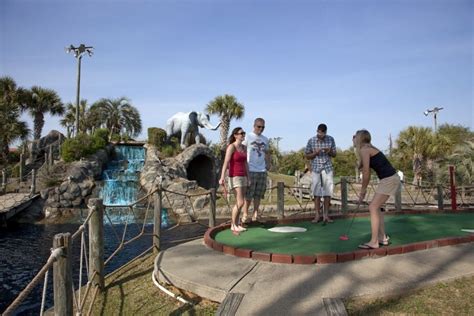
(290,289)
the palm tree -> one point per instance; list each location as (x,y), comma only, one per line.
(39,102)
(11,127)
(415,143)
(226,107)
(69,118)
(456,135)
(462,158)
(119,116)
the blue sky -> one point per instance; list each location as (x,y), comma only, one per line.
(350,64)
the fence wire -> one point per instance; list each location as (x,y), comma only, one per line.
(300,196)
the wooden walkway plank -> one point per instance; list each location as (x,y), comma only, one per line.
(230,304)
(13,203)
(334,307)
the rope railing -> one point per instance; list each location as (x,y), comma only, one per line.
(91,260)
(55,254)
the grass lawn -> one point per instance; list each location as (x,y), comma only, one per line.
(131,291)
(451,298)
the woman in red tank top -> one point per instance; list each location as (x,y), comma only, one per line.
(236,162)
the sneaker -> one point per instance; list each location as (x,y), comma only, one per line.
(385,241)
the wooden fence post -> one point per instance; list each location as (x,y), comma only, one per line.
(281,199)
(298,185)
(96,242)
(343,194)
(157,221)
(4,181)
(59,146)
(453,188)
(22,167)
(33,182)
(270,185)
(440,197)
(51,158)
(398,198)
(62,276)
(212,208)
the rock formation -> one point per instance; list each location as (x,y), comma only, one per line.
(191,172)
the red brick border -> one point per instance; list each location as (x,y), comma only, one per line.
(327,258)
(297,259)
(261,256)
(345,256)
(282,258)
(244,253)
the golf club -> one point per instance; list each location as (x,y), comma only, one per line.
(346,235)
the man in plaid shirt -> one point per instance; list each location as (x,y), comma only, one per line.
(320,149)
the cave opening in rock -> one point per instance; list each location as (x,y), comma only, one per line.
(202,170)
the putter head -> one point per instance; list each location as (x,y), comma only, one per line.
(344,237)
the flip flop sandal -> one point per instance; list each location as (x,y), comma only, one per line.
(315,221)
(365,246)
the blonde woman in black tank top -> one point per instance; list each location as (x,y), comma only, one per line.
(370,157)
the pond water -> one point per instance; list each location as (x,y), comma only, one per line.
(25,248)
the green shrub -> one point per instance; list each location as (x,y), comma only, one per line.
(15,171)
(115,138)
(102,133)
(83,145)
(13,157)
(168,151)
(157,137)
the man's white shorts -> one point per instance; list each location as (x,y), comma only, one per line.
(322,184)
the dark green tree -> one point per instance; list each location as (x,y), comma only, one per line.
(227,108)
(345,163)
(12,128)
(39,102)
(119,116)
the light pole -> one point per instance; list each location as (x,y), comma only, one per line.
(78,52)
(434,111)
(277,140)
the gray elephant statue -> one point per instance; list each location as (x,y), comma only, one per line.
(189,122)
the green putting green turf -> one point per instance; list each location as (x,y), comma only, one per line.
(402,229)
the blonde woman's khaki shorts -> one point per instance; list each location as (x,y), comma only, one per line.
(389,185)
(237,182)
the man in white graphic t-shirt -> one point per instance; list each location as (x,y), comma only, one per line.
(258,157)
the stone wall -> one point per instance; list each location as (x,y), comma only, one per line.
(191,172)
(78,187)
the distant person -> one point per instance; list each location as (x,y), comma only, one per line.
(370,157)
(258,158)
(320,149)
(235,162)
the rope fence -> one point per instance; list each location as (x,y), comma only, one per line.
(69,297)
